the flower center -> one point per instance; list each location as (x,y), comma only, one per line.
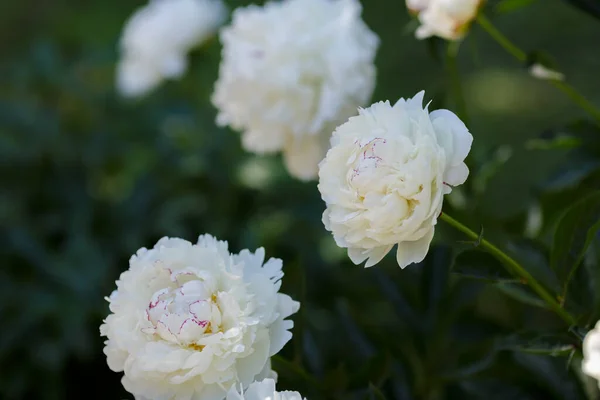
(369,161)
(185,311)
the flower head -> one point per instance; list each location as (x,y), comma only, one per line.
(264,390)
(384,178)
(191,320)
(448,19)
(591,353)
(291,71)
(156,39)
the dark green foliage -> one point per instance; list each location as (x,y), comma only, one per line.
(87,178)
(592,7)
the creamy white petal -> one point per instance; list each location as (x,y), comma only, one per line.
(302,156)
(457,175)
(135,78)
(591,353)
(413,252)
(447,123)
(261,390)
(377,254)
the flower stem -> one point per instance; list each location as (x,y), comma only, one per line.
(513,267)
(521,56)
(454,75)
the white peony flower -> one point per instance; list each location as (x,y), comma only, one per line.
(157,38)
(264,390)
(384,178)
(591,353)
(190,320)
(448,19)
(291,71)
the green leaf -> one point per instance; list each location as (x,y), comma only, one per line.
(591,7)
(476,264)
(592,266)
(579,332)
(511,5)
(541,58)
(281,365)
(536,343)
(375,370)
(573,235)
(578,167)
(520,293)
(435,280)
(337,379)
(534,257)
(581,133)
(376,393)
(490,166)
(555,142)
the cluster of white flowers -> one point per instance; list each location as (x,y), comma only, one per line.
(264,390)
(291,71)
(448,19)
(192,320)
(385,176)
(157,38)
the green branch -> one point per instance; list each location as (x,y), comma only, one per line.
(521,56)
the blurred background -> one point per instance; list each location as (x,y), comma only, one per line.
(87,178)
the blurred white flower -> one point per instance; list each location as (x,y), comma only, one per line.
(448,19)
(384,178)
(192,320)
(157,38)
(264,390)
(291,72)
(591,353)
(541,72)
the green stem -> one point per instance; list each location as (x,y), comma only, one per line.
(454,75)
(500,38)
(521,56)
(513,267)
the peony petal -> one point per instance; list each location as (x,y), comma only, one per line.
(456,175)
(302,156)
(591,353)
(173,66)
(445,122)
(210,392)
(261,390)
(135,78)
(250,366)
(377,254)
(413,252)
(357,255)
(279,335)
